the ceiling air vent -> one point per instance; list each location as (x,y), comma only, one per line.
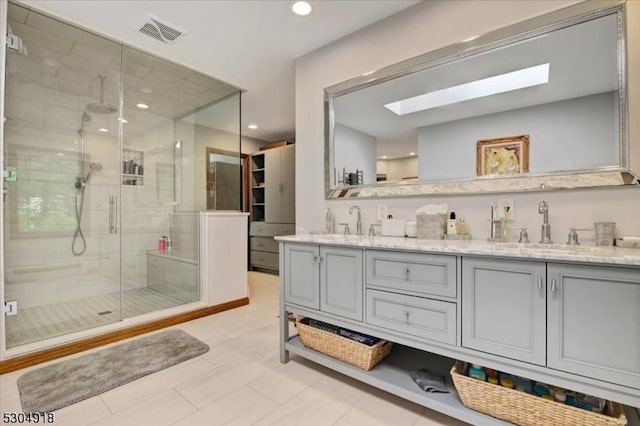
(161,30)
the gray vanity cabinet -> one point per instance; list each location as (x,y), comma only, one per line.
(594,322)
(504,308)
(324,278)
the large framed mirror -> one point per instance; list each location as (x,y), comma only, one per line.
(537,105)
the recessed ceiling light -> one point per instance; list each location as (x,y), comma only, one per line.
(301,8)
(412,153)
(466,40)
(142,106)
(520,79)
(146,90)
(51,62)
(124,120)
(252,126)
(60,154)
(384,157)
(103,130)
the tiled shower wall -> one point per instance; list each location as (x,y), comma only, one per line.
(184,232)
(44,123)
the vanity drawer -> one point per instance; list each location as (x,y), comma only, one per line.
(264,259)
(427,274)
(262,229)
(425,318)
(263,244)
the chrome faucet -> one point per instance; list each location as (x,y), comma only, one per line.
(358,219)
(543,209)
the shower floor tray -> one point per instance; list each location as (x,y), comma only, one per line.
(45,321)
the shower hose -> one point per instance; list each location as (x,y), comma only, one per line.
(78,233)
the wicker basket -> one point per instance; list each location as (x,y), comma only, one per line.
(342,348)
(524,409)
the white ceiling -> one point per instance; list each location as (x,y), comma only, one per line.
(249,44)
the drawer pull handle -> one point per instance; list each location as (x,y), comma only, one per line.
(406,317)
(553,286)
(316,258)
(540,283)
(405,272)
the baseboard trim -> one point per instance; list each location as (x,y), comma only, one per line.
(29,360)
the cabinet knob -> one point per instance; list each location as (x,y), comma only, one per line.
(405,272)
(553,286)
(316,258)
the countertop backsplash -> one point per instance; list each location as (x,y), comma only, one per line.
(567,209)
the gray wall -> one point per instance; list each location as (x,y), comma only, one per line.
(355,150)
(573,134)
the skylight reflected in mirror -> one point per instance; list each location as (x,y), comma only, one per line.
(515,80)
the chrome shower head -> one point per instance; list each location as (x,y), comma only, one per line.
(93,167)
(101,107)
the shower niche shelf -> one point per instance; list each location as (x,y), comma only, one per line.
(132,167)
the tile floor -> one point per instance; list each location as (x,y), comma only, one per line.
(240,381)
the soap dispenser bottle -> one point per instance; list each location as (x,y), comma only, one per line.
(451,224)
(329,222)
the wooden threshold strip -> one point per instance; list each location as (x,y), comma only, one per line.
(28,360)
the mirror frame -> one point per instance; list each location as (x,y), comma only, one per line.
(562,18)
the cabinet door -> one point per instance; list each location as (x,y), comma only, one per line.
(288,184)
(594,322)
(302,275)
(503,308)
(272,186)
(341,283)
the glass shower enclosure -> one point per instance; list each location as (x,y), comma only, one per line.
(102,148)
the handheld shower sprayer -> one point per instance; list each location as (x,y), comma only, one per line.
(93,167)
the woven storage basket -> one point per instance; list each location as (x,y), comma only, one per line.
(342,348)
(524,409)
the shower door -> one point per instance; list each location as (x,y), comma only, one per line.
(104,156)
(62,153)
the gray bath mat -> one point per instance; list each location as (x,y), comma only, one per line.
(58,385)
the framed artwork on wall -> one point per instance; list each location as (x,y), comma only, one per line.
(503,156)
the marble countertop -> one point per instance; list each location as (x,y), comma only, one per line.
(549,252)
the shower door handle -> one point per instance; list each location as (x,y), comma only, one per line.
(113,215)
